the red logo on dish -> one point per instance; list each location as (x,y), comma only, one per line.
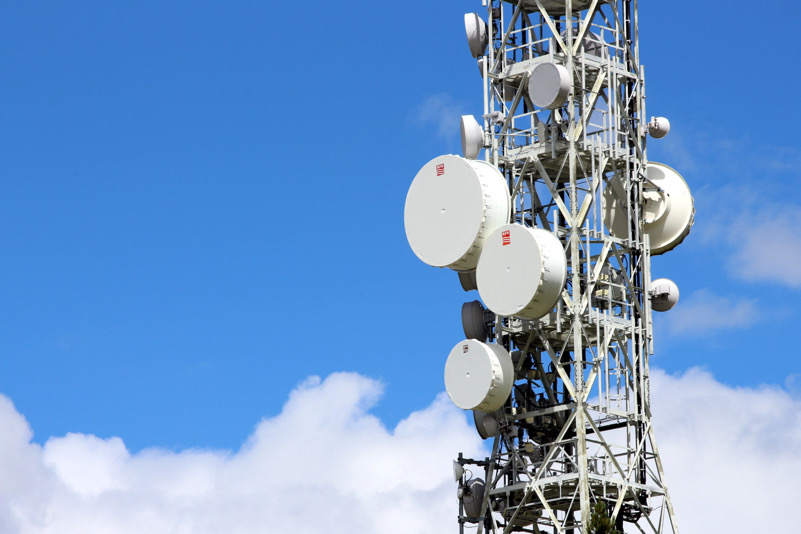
(440,169)
(464,348)
(506,238)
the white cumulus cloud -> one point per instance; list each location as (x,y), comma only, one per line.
(730,454)
(326,464)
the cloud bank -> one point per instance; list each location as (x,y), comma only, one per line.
(325,464)
(730,454)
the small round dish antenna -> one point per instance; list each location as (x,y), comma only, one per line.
(486,423)
(658,127)
(477,37)
(453,204)
(472,496)
(668,210)
(472,136)
(468,280)
(664,294)
(479,376)
(549,85)
(474,321)
(458,471)
(521,271)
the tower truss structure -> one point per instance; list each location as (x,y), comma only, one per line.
(576,430)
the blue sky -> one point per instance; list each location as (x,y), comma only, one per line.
(202,205)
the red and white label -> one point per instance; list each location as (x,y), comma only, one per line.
(440,169)
(506,238)
(464,348)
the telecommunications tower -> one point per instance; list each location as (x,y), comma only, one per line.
(555,227)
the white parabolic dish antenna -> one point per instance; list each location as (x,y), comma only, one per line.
(453,204)
(521,271)
(472,136)
(479,376)
(486,424)
(668,210)
(549,85)
(477,37)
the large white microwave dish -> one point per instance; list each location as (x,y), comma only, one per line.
(453,204)
(521,271)
(479,376)
(668,210)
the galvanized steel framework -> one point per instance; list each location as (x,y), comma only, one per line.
(577,427)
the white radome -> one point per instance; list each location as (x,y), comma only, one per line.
(479,376)
(453,204)
(664,294)
(521,271)
(658,127)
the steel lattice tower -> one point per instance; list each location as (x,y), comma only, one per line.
(576,429)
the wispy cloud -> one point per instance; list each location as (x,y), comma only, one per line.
(760,234)
(677,151)
(703,312)
(441,112)
(766,245)
(747,207)
(720,157)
